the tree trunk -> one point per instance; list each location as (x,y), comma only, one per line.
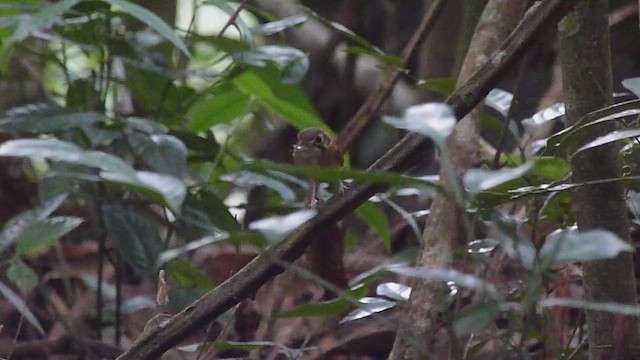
(587,86)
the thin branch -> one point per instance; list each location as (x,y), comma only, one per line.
(401,157)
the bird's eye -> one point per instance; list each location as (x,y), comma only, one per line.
(319,139)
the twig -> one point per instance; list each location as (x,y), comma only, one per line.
(401,157)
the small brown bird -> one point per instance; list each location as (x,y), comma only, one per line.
(315,148)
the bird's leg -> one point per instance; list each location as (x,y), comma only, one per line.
(310,199)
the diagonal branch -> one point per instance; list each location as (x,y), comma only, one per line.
(401,157)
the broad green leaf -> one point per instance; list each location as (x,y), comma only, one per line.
(251,84)
(610,307)
(394,291)
(180,298)
(41,234)
(163,153)
(294,115)
(219,109)
(46,18)
(12,229)
(479,180)
(161,188)
(217,211)
(460,279)
(368,306)
(292,63)
(553,168)
(153,21)
(22,275)
(372,214)
(186,275)
(64,151)
(276,228)
(476,318)
(608,139)
(48,120)
(20,305)
(145,125)
(327,308)
(248,179)
(135,237)
(568,246)
(442,86)
(433,120)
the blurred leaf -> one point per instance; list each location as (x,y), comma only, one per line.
(22,275)
(186,275)
(245,31)
(476,318)
(500,101)
(47,17)
(64,151)
(326,309)
(46,119)
(608,139)
(163,153)
(294,115)
(610,307)
(218,109)
(569,245)
(442,86)
(251,84)
(482,246)
(433,120)
(180,298)
(145,125)
(553,168)
(479,180)
(41,234)
(162,189)
(248,179)
(275,27)
(372,215)
(20,305)
(242,346)
(168,255)
(387,59)
(368,306)
(153,21)
(401,259)
(135,237)
(12,229)
(542,117)
(394,291)
(633,85)
(460,279)
(276,228)
(218,212)
(292,63)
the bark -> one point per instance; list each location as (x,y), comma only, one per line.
(445,223)
(587,85)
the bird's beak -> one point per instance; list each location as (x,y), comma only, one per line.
(299,147)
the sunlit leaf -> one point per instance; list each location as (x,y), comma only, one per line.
(433,120)
(633,85)
(542,117)
(608,139)
(394,291)
(500,101)
(275,27)
(368,306)
(276,228)
(478,180)
(567,246)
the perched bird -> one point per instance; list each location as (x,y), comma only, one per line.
(315,148)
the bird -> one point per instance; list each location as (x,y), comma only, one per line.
(316,148)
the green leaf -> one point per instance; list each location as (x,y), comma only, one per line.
(294,115)
(459,278)
(292,63)
(276,228)
(568,246)
(479,180)
(20,305)
(553,168)
(187,275)
(327,308)
(401,259)
(283,24)
(47,120)
(41,234)
(161,188)
(476,318)
(153,21)
(135,238)
(251,84)
(14,227)
(163,153)
(433,120)
(387,59)
(372,215)
(219,109)
(22,275)
(442,86)
(171,254)
(218,212)
(180,298)
(248,179)
(46,18)
(64,151)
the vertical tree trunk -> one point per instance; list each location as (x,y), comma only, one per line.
(587,86)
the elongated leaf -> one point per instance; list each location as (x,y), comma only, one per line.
(457,277)
(394,291)
(292,63)
(161,188)
(276,228)
(163,153)
(219,109)
(14,227)
(135,238)
(368,306)
(567,246)
(171,254)
(46,18)
(478,180)
(41,234)
(20,305)
(608,139)
(275,27)
(22,275)
(294,115)
(327,308)
(247,179)
(476,318)
(611,307)
(500,101)
(48,120)
(153,21)
(370,213)
(544,116)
